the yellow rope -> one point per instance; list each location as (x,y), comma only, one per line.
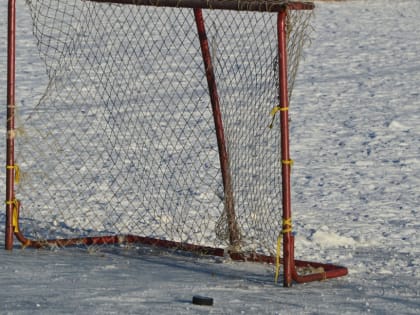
(278,250)
(15,215)
(14,202)
(278,109)
(17,172)
(287,227)
(288,162)
(274,112)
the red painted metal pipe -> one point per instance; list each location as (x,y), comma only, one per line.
(330,271)
(234,234)
(120,239)
(289,262)
(237,5)
(10,142)
(285,155)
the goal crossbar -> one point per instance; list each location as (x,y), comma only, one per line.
(237,5)
(290,264)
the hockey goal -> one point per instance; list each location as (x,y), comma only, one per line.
(154,128)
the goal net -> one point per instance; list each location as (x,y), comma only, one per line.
(155,125)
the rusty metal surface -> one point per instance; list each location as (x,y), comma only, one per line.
(238,5)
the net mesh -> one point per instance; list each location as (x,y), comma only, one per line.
(123,139)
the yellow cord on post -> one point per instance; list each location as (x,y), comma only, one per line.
(274,112)
(17,172)
(15,214)
(287,162)
(278,250)
(287,227)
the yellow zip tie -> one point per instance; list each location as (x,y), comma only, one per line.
(274,112)
(17,172)
(288,162)
(287,227)
(15,216)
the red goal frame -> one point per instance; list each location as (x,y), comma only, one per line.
(290,265)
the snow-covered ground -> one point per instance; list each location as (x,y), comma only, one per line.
(356,191)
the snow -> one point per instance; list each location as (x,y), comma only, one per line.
(356,179)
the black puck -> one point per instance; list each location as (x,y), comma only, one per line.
(202,300)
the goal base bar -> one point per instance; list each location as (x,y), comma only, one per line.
(324,271)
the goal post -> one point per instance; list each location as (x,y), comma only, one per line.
(154,128)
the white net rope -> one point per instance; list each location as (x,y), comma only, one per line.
(123,140)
